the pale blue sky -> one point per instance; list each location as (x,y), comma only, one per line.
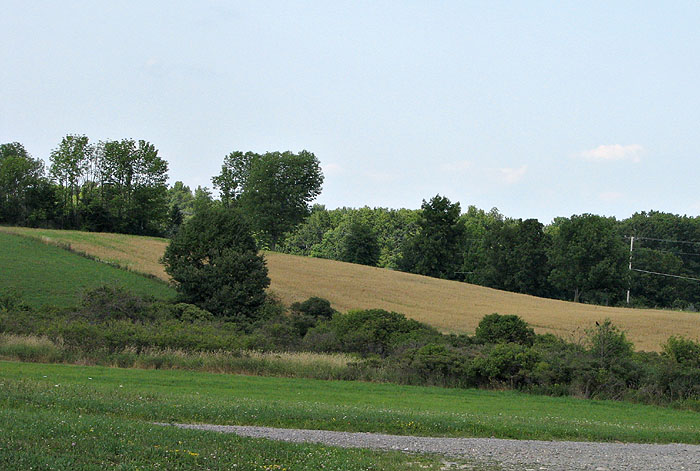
(541,109)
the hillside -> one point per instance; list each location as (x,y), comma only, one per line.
(448,305)
(43,274)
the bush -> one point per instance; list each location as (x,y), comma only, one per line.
(181,311)
(314,307)
(376,331)
(113,302)
(509,363)
(495,328)
(11,302)
(440,364)
(608,345)
(682,351)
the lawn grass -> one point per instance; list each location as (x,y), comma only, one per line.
(44,439)
(43,274)
(447,305)
(195,397)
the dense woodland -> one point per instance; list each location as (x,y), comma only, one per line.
(121,186)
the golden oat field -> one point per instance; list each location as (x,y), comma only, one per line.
(447,305)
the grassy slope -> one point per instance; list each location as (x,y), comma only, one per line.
(447,305)
(180,396)
(45,274)
(36,438)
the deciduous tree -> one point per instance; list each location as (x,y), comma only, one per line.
(435,249)
(273,190)
(588,256)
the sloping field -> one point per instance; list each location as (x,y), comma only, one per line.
(448,305)
(43,274)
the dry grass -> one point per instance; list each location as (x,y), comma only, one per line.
(458,307)
(450,306)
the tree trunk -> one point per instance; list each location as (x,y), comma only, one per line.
(577,295)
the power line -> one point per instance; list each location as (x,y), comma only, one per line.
(668,240)
(675,253)
(665,274)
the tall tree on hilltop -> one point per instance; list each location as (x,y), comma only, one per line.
(134,185)
(588,257)
(70,162)
(515,257)
(436,249)
(273,190)
(21,177)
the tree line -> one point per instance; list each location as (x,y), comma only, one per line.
(582,258)
(120,186)
(111,186)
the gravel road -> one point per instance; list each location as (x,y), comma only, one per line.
(511,455)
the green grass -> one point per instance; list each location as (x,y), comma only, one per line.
(195,397)
(32,438)
(43,274)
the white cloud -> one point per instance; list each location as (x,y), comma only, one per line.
(614,152)
(513,175)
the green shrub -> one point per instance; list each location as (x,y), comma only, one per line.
(376,331)
(80,335)
(314,307)
(113,302)
(683,351)
(495,328)
(12,301)
(440,364)
(608,345)
(508,363)
(181,311)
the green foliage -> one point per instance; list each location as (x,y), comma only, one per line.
(186,313)
(515,257)
(111,302)
(495,328)
(70,163)
(315,307)
(12,302)
(273,189)
(434,249)
(684,352)
(134,187)
(608,344)
(213,260)
(360,245)
(508,363)
(371,331)
(23,194)
(588,258)
(441,365)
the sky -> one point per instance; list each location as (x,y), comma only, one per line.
(540,109)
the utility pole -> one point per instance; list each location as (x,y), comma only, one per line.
(629,286)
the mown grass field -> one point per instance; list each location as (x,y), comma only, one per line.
(60,421)
(43,274)
(35,439)
(447,305)
(196,397)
